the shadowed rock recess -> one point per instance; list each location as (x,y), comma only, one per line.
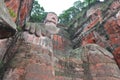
(88,49)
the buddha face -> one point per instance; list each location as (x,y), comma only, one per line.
(51,19)
(51,23)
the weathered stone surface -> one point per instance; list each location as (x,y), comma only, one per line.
(100,27)
(61,42)
(20,9)
(33,54)
(29,55)
(5,16)
(30,62)
(87,63)
(3,48)
(16,11)
(7,26)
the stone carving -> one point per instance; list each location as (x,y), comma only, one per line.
(51,22)
(39,37)
(44,52)
(42,30)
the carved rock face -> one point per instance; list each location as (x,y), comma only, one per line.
(51,22)
(51,18)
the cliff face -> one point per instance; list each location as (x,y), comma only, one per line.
(13,13)
(27,59)
(7,26)
(100,26)
(95,38)
(19,10)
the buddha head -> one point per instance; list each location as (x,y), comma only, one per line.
(51,21)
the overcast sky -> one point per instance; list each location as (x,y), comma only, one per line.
(56,6)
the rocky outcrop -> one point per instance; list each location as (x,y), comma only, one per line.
(7,26)
(19,10)
(29,61)
(13,11)
(100,26)
(35,44)
(90,62)
(16,11)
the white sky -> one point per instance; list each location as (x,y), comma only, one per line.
(57,6)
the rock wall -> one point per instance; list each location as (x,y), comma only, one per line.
(28,60)
(90,62)
(27,56)
(12,11)
(7,26)
(19,10)
(13,14)
(100,26)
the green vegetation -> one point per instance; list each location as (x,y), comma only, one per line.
(74,12)
(78,7)
(67,17)
(19,28)
(12,13)
(37,14)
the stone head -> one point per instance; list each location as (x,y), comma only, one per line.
(51,19)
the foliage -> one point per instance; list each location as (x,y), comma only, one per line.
(37,14)
(69,14)
(12,13)
(19,28)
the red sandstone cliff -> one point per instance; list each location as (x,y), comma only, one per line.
(21,10)
(30,61)
(101,27)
